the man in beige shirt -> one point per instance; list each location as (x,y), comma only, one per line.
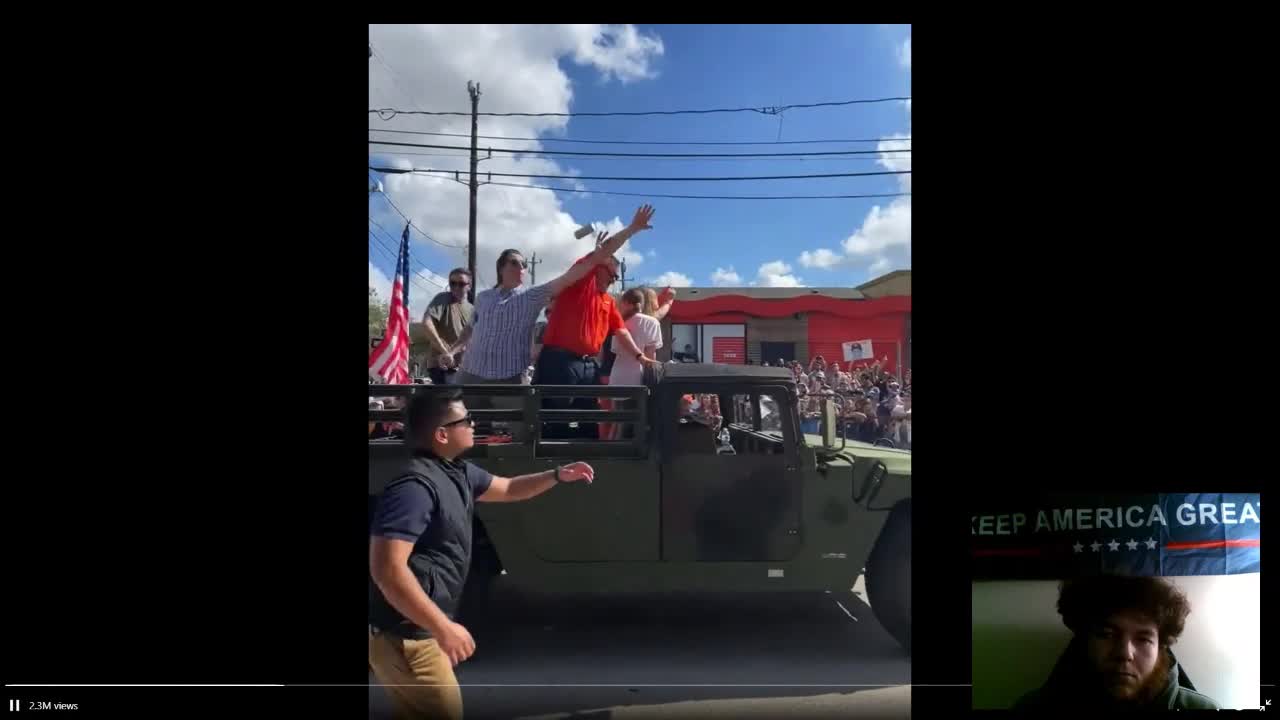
(447,316)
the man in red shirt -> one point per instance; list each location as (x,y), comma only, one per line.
(585,315)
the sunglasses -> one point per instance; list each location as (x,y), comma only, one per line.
(470,421)
(458,283)
(522,264)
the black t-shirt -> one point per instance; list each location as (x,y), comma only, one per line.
(430,505)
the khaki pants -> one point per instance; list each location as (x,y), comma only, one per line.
(417,675)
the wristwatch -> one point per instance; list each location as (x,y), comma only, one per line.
(558,474)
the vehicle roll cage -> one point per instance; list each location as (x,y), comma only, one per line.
(532,415)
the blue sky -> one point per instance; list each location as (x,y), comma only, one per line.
(630,68)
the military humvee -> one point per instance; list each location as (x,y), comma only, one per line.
(675,508)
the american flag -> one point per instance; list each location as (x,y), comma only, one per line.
(390,360)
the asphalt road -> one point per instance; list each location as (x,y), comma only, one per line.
(680,656)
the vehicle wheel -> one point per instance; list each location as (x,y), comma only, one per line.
(889,575)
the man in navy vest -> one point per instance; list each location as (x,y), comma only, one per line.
(420,552)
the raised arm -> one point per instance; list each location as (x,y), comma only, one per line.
(606,246)
(666,299)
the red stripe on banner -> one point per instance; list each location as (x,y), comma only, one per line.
(1012,552)
(1211,544)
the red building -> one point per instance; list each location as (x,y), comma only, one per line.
(737,325)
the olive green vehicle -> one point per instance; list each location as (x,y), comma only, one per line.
(675,509)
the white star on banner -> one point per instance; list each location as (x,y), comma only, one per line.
(1113,545)
(1078,547)
(1096,545)
(1151,544)
(1133,544)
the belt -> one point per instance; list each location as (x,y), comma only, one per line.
(570,353)
(405,634)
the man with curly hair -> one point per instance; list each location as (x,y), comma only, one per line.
(1120,656)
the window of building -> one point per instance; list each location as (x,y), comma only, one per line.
(709,343)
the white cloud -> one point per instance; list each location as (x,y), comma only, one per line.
(777,267)
(820,258)
(616,50)
(518,69)
(776,274)
(883,241)
(726,278)
(672,278)
(882,229)
(380,283)
(897,161)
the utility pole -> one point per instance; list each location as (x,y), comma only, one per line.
(474,90)
(533,268)
(623,266)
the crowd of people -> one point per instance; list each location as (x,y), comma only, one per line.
(873,405)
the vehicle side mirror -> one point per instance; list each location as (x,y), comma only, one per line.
(829,422)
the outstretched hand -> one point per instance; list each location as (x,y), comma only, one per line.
(666,296)
(642,217)
(574,472)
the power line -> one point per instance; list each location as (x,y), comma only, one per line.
(655,179)
(386,233)
(391,238)
(413,278)
(394,256)
(406,217)
(413,281)
(640,142)
(646,155)
(859,158)
(706,197)
(393,72)
(388,113)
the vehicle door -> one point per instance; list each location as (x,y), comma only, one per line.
(735,502)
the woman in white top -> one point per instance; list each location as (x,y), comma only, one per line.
(642,320)
(644,329)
